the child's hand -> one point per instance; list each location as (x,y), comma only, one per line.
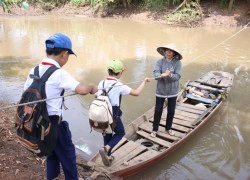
(146,80)
(94,89)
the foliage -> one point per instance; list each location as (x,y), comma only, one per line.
(78,3)
(189,15)
(157,4)
(7,4)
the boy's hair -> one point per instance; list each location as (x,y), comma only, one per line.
(112,73)
(54,51)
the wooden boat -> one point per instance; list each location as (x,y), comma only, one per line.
(196,103)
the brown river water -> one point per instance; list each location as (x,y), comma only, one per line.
(221,150)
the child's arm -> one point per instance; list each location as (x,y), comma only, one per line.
(137,91)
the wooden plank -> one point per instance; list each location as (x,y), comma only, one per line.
(174,126)
(183,113)
(184,118)
(142,157)
(180,112)
(200,99)
(200,86)
(205,77)
(179,117)
(162,129)
(191,106)
(183,123)
(120,143)
(118,162)
(202,116)
(180,128)
(155,140)
(125,149)
(187,109)
(130,145)
(148,128)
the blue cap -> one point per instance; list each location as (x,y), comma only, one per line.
(59,41)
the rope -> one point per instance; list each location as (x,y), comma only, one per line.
(219,43)
(72,94)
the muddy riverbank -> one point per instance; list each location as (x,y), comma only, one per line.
(18,163)
(213,15)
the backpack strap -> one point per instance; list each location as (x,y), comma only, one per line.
(104,91)
(48,73)
(45,76)
(111,87)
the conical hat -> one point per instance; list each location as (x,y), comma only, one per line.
(171,46)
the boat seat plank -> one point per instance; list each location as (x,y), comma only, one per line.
(130,155)
(148,128)
(142,157)
(155,140)
(187,114)
(191,106)
(186,109)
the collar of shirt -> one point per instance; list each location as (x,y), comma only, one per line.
(112,78)
(51,61)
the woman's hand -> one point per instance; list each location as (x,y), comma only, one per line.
(167,72)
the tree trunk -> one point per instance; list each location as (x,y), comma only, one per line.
(125,3)
(230,7)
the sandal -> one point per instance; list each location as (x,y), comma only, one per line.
(111,159)
(153,134)
(170,132)
(104,155)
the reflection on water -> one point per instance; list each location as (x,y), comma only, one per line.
(219,151)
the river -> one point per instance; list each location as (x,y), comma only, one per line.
(219,151)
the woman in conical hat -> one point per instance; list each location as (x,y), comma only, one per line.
(167,72)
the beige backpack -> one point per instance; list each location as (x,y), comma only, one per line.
(101,114)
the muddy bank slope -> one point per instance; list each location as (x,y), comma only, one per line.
(213,15)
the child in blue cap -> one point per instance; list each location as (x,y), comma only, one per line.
(58,48)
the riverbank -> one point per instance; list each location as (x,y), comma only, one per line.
(17,163)
(212,14)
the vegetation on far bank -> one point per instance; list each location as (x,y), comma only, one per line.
(181,12)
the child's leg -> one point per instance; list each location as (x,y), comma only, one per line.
(107,138)
(119,133)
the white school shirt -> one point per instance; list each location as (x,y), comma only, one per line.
(115,92)
(58,81)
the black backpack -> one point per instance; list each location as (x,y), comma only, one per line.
(34,128)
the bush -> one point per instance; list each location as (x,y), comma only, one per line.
(78,3)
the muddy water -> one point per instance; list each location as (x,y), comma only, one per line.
(219,151)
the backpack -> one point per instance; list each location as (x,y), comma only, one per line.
(34,128)
(101,113)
